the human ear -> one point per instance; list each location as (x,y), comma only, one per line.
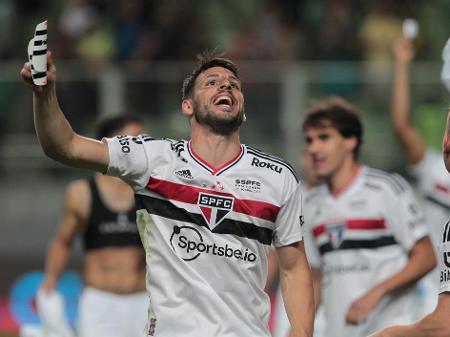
(187,108)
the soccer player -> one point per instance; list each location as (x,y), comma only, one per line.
(208,209)
(365,237)
(435,324)
(102,210)
(426,164)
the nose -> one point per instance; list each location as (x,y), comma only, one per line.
(225,86)
(311,147)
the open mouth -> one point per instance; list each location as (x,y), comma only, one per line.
(223,101)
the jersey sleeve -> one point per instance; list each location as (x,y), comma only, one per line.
(312,251)
(444,260)
(406,217)
(289,221)
(429,172)
(128,159)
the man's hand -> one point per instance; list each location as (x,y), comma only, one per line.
(361,308)
(51,76)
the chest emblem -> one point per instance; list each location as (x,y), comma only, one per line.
(335,232)
(214,208)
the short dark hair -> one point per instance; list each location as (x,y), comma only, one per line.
(206,60)
(109,127)
(340,114)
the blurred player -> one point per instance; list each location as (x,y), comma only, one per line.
(426,164)
(365,237)
(209,209)
(435,324)
(102,210)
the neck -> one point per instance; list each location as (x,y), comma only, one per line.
(213,148)
(343,177)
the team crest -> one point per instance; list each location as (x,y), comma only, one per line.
(214,208)
(335,233)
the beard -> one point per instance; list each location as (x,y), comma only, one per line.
(223,126)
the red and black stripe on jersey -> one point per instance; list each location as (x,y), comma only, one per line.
(442,191)
(369,225)
(189,194)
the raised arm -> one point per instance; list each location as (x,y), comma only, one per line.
(408,135)
(76,206)
(297,289)
(54,132)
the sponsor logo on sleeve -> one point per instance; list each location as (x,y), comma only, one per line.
(124,141)
(302,220)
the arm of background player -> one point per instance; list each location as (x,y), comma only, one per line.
(410,139)
(435,324)
(71,222)
(297,288)
(421,260)
(54,132)
(446,144)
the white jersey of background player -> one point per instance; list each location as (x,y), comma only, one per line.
(433,181)
(437,322)
(369,245)
(204,226)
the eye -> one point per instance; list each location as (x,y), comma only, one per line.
(308,140)
(211,82)
(324,136)
(234,85)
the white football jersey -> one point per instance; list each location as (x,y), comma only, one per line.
(444,260)
(433,181)
(206,232)
(359,238)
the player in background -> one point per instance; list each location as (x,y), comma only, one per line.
(209,209)
(435,324)
(364,232)
(102,211)
(426,164)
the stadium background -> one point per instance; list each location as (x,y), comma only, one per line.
(131,56)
